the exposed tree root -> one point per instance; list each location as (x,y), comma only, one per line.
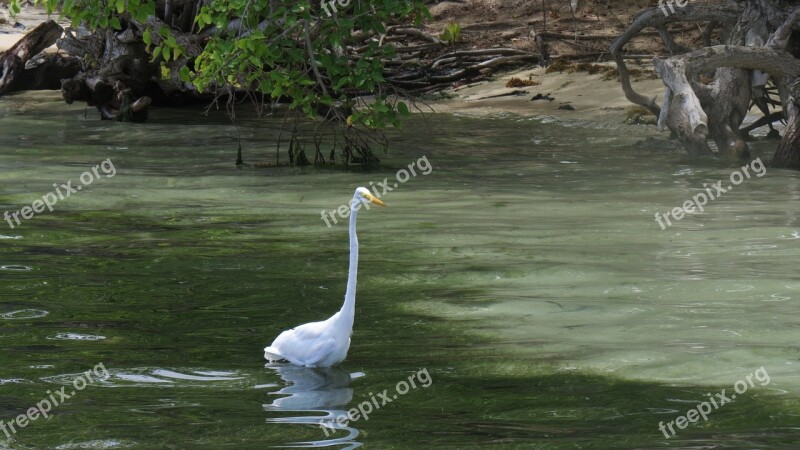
(701,110)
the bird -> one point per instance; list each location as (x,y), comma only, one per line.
(325,343)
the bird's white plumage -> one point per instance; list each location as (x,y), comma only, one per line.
(324,344)
(315,344)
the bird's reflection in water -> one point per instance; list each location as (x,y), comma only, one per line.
(318,390)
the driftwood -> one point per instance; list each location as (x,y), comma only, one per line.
(121,88)
(108,69)
(439,71)
(22,71)
(125,81)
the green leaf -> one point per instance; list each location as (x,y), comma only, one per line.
(339,83)
(115,23)
(274,60)
(66,7)
(185,74)
(156,53)
(381,107)
(403,108)
(203,18)
(147,37)
(120,6)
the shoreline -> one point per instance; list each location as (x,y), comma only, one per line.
(592,97)
(13,28)
(575,94)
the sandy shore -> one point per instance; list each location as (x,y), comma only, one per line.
(591,96)
(8,40)
(13,28)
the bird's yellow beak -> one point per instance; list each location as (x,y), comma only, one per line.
(374,199)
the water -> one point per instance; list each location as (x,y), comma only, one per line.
(525,275)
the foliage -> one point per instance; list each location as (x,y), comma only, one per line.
(275,56)
(96,14)
(451,33)
(295,51)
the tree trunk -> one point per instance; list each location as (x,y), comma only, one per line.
(762,43)
(18,69)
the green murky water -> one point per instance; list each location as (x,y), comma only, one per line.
(520,295)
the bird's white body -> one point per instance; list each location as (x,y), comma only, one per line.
(324,344)
(315,344)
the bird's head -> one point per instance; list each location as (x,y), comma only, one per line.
(363,195)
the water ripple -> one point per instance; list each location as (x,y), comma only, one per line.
(13,381)
(77,337)
(151,377)
(16,267)
(315,397)
(99,443)
(24,314)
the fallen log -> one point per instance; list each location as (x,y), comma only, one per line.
(45,73)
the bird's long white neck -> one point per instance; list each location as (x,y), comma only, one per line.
(349,307)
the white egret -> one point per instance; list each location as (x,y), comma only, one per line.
(324,344)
